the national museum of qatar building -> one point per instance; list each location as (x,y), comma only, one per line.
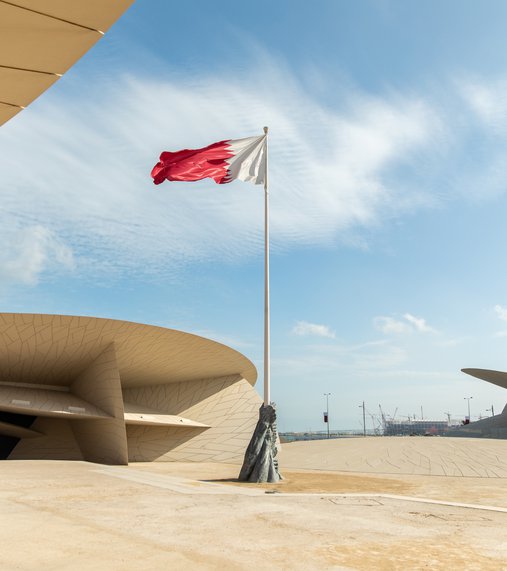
(113,392)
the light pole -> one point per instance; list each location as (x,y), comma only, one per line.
(468,402)
(364,418)
(327,412)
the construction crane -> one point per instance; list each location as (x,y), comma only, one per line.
(382,416)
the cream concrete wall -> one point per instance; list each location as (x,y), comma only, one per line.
(186,397)
(46,402)
(102,440)
(228,405)
(57,442)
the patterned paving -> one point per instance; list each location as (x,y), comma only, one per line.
(466,457)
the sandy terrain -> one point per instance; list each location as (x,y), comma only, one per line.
(75,515)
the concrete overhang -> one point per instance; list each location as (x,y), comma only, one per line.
(498,378)
(52,350)
(42,39)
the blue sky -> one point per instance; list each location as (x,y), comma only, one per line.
(388,137)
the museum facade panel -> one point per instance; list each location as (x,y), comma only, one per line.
(113,392)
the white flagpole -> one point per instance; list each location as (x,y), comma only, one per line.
(267,395)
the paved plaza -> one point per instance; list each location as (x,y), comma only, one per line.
(428,456)
(69,515)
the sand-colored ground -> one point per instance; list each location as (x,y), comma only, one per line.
(431,456)
(75,515)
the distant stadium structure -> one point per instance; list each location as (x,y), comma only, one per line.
(113,392)
(415,427)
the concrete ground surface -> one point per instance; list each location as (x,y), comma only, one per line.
(77,515)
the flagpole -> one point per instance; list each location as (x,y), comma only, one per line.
(260,463)
(267,395)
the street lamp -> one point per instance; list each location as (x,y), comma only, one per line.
(364,418)
(326,414)
(468,402)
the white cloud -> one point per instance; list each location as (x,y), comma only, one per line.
(390,325)
(333,171)
(29,252)
(419,323)
(487,98)
(363,360)
(90,157)
(304,328)
(453,342)
(478,121)
(501,312)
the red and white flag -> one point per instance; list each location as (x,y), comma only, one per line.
(225,161)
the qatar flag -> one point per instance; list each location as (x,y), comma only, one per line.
(225,161)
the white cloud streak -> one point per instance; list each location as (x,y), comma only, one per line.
(389,325)
(487,99)
(364,360)
(29,252)
(419,323)
(304,329)
(80,167)
(410,323)
(501,312)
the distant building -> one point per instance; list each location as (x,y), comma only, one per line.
(415,427)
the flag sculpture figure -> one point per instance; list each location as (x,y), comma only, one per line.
(225,161)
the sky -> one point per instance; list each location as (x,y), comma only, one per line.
(388,190)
